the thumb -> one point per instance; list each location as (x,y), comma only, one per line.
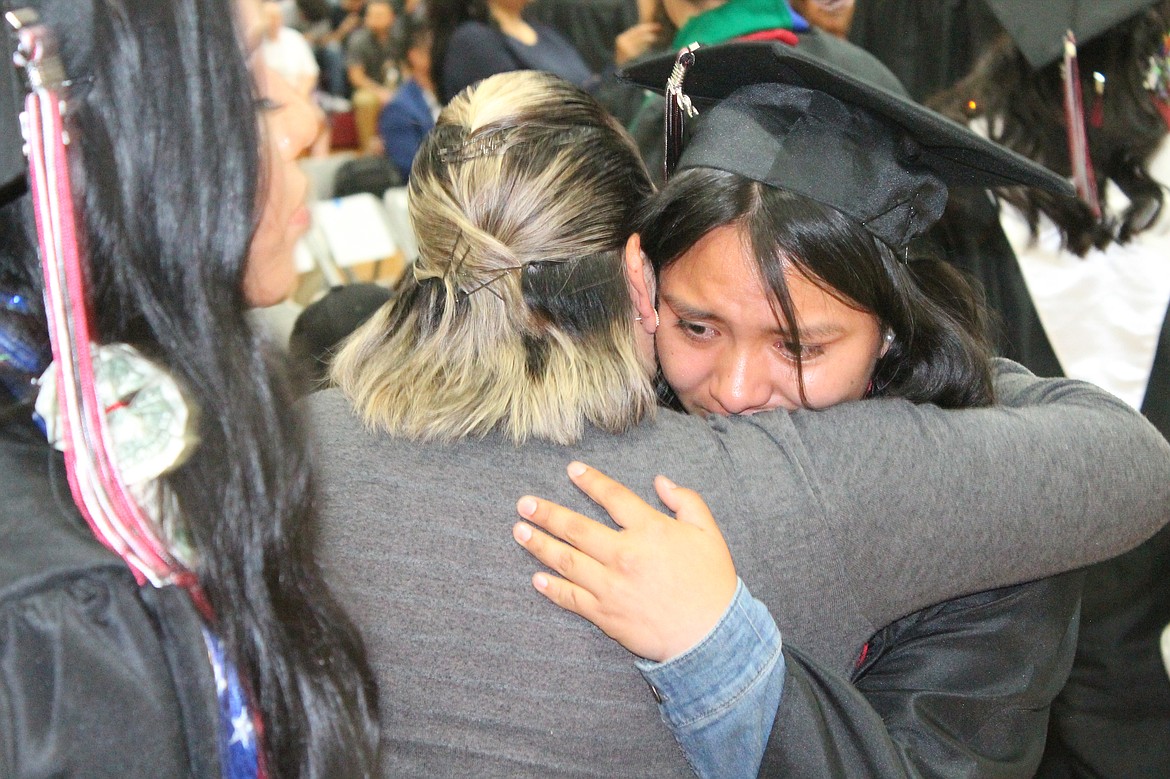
(688,506)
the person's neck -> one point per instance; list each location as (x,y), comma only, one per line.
(510,18)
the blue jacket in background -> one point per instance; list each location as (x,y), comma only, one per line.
(403,123)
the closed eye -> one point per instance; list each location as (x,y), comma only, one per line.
(800,352)
(695,330)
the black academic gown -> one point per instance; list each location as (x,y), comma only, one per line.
(1112,719)
(98,677)
(931,697)
(928,44)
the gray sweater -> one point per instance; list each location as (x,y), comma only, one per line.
(840,520)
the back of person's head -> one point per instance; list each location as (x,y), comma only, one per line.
(416,44)
(163,123)
(939,352)
(444,17)
(517,315)
(325,323)
(1024,110)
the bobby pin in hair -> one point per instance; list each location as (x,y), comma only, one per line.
(487,284)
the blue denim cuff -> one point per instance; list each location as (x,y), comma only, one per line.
(740,651)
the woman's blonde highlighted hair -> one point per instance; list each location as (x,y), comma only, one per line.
(517,316)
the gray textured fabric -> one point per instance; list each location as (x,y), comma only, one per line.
(839,520)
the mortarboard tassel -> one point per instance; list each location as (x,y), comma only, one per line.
(677,103)
(1097,114)
(1074,118)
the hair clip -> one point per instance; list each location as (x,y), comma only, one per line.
(677,104)
(483,145)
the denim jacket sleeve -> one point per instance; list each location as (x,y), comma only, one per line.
(720,697)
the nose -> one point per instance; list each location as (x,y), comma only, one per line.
(742,383)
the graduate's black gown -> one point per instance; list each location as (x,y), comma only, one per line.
(98,677)
(1112,719)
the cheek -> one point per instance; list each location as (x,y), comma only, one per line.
(270,274)
(685,368)
(273,181)
(845,378)
(268,280)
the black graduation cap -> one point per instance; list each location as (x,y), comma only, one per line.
(789,120)
(1038,27)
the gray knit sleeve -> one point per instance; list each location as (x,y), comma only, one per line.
(930,504)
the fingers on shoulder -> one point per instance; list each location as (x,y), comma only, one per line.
(622,503)
(566,524)
(566,594)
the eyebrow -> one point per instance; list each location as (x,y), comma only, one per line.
(821,331)
(689,312)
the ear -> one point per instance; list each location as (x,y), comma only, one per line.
(642,283)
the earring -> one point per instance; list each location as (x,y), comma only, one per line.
(657,321)
(889,337)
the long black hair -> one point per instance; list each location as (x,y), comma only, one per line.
(168,181)
(444,16)
(1024,111)
(939,353)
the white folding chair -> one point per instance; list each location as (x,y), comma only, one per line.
(348,231)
